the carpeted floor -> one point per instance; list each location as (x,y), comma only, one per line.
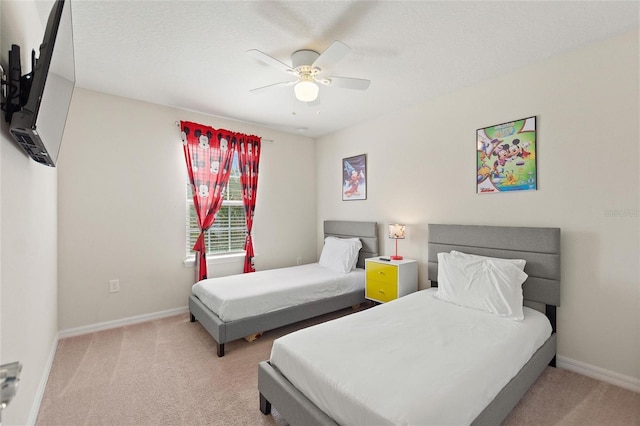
(165,372)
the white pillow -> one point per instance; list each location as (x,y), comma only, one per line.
(485,284)
(340,254)
(520,263)
(357,245)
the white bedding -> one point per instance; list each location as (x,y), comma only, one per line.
(240,296)
(414,361)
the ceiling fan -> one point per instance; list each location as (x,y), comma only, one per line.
(307,65)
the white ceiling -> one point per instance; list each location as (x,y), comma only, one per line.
(192,54)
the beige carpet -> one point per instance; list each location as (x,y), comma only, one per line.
(165,372)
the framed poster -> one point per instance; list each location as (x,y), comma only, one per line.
(506,157)
(354,178)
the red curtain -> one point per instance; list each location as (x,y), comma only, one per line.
(208,153)
(248,158)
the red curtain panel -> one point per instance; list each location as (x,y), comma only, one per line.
(249,148)
(208,154)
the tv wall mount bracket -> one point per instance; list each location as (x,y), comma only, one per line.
(15,86)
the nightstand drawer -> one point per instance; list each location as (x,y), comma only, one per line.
(381,291)
(382,273)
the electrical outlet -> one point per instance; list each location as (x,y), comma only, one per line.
(114,286)
(298,261)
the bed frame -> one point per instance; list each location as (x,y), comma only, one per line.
(224,332)
(540,247)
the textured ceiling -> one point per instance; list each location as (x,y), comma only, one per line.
(192,54)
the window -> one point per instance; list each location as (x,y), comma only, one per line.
(228,233)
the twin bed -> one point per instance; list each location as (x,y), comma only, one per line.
(423,360)
(231,308)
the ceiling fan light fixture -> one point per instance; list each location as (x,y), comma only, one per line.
(306,91)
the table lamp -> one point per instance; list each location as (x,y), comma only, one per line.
(396,232)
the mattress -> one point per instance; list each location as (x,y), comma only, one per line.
(246,295)
(413,361)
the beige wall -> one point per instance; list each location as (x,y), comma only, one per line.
(28,259)
(421,170)
(121,199)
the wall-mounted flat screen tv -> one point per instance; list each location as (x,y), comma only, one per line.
(39,115)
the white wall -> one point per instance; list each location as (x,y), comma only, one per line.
(421,169)
(28,309)
(122,192)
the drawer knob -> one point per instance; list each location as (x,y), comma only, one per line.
(380,291)
(380,272)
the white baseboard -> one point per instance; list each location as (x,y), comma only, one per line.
(77,331)
(35,407)
(598,373)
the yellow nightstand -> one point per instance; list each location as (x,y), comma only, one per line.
(388,280)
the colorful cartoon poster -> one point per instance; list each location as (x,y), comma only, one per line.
(506,157)
(354,178)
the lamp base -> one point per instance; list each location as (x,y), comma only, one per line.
(395,257)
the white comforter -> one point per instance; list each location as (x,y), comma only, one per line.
(240,296)
(413,361)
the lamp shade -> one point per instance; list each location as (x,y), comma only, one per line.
(306,91)
(397,231)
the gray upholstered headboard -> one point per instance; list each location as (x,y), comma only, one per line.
(366,231)
(540,247)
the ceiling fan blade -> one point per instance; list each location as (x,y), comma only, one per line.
(331,55)
(269,60)
(281,84)
(346,82)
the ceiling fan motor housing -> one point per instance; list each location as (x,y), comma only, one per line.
(302,58)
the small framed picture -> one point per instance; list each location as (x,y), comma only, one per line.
(506,157)
(354,178)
